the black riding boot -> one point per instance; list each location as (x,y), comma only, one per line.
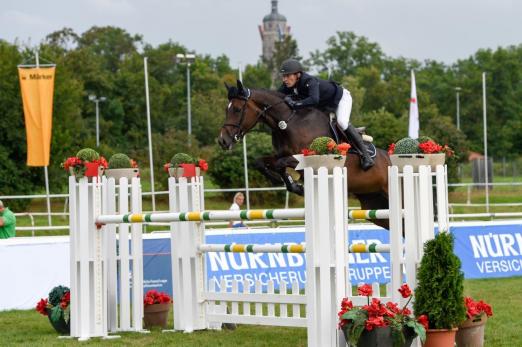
(357,141)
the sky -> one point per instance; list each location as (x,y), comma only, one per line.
(443,30)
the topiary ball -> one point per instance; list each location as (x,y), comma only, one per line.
(423,139)
(181,158)
(88,154)
(407,146)
(320,145)
(119,161)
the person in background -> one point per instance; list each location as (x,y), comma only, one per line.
(238,201)
(7,222)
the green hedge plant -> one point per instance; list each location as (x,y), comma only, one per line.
(439,293)
(120,161)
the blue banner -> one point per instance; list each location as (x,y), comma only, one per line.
(486,250)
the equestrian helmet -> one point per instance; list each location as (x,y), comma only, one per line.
(290,66)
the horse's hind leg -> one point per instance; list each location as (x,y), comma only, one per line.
(266,165)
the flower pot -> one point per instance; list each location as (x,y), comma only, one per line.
(156,315)
(181,172)
(471,332)
(119,173)
(328,161)
(415,160)
(382,337)
(440,337)
(60,325)
(436,159)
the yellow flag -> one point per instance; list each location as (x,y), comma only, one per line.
(37,85)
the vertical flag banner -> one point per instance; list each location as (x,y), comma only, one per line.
(37,87)
(413,128)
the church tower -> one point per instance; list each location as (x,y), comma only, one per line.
(274,29)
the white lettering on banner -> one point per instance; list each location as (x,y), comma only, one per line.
(492,253)
(493,266)
(234,264)
(215,258)
(477,242)
(369,273)
(278,258)
(154,283)
(263,278)
(254,259)
(508,241)
(496,245)
(295,259)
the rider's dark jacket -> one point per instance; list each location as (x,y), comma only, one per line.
(312,91)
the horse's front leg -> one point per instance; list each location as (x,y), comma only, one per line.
(291,185)
(266,165)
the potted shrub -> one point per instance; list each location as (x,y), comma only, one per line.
(416,152)
(323,152)
(471,331)
(156,307)
(57,308)
(184,165)
(378,324)
(439,294)
(87,162)
(120,165)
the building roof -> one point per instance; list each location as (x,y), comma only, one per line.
(274,15)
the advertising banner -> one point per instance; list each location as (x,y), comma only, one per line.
(37,89)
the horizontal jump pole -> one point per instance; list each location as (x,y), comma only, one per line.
(369,214)
(290,248)
(201,216)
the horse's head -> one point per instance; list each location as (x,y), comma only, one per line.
(241,116)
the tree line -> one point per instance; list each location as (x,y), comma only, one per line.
(108,61)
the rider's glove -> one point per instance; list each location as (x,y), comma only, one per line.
(288,100)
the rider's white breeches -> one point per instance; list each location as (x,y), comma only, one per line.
(344,110)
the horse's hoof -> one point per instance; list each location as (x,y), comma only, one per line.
(297,189)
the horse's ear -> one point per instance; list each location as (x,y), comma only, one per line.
(227,86)
(240,85)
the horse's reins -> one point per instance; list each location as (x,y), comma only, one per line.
(259,113)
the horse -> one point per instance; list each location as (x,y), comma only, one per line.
(293,131)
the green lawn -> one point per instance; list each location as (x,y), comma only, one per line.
(28,328)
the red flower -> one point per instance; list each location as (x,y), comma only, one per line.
(133,163)
(424,321)
(331,146)
(102,162)
(72,162)
(41,306)
(365,290)
(343,148)
(405,291)
(306,152)
(166,167)
(393,307)
(154,297)
(203,165)
(430,147)
(391,149)
(346,304)
(474,308)
(374,322)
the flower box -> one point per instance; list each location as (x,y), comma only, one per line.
(156,315)
(382,336)
(415,160)
(328,161)
(119,173)
(190,170)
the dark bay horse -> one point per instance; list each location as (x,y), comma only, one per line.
(248,107)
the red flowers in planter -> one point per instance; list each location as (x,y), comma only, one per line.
(477,308)
(354,320)
(154,297)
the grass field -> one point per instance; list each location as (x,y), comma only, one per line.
(28,328)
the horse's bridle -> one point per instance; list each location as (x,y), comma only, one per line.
(260,113)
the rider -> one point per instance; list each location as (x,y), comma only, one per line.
(328,95)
